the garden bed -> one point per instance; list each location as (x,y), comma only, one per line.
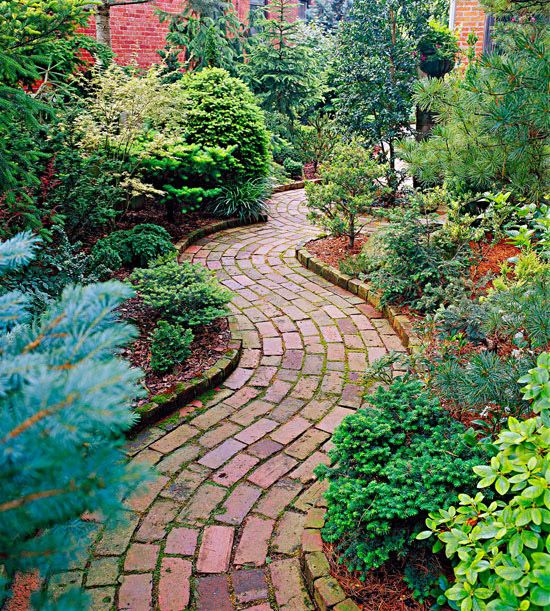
(334,250)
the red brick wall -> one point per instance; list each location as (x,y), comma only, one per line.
(137,34)
(469,17)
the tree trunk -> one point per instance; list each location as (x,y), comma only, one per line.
(103,24)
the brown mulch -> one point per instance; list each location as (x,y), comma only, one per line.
(153,212)
(209,345)
(383,589)
(333,250)
(490,257)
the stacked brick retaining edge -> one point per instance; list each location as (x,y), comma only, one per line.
(400,323)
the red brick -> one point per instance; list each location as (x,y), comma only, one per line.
(174,439)
(289,431)
(238,504)
(277,498)
(215,549)
(289,589)
(213,594)
(181,541)
(216,457)
(272,470)
(141,557)
(135,592)
(174,586)
(249,585)
(264,448)
(333,419)
(254,541)
(235,469)
(256,431)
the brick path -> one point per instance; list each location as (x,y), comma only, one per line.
(221,526)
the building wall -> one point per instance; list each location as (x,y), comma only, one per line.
(137,34)
(469,17)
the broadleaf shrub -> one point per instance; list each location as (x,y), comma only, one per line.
(185,293)
(500,549)
(170,346)
(137,246)
(392,464)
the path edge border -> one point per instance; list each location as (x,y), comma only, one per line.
(400,323)
(162,405)
(293,186)
(323,587)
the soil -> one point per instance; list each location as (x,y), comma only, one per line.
(333,250)
(209,345)
(153,212)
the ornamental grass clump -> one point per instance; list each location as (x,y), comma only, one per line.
(392,464)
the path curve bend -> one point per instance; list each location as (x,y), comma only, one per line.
(222,526)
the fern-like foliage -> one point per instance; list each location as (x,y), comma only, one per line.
(64,402)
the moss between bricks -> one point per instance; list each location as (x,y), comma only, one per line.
(400,323)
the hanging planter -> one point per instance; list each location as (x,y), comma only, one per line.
(434,66)
(437,50)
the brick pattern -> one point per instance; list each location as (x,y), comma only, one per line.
(234,502)
(470,17)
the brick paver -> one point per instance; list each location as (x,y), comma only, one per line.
(220,525)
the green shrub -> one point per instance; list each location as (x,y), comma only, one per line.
(185,293)
(350,185)
(392,464)
(413,265)
(218,110)
(189,174)
(293,167)
(128,247)
(170,346)
(246,200)
(500,549)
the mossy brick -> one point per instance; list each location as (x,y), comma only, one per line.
(328,593)
(347,605)
(102,599)
(103,571)
(315,518)
(315,566)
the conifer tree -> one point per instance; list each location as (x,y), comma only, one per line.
(281,67)
(64,405)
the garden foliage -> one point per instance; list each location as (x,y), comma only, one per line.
(170,346)
(499,549)
(392,463)
(65,399)
(350,186)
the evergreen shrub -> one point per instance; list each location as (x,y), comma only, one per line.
(218,110)
(184,293)
(170,346)
(128,247)
(392,463)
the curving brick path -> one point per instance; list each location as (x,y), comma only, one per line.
(222,526)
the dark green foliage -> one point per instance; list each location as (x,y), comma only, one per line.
(128,247)
(184,293)
(375,71)
(220,111)
(392,464)
(189,174)
(170,346)
(294,168)
(412,265)
(282,67)
(491,135)
(483,382)
(246,201)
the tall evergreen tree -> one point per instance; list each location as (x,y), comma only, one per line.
(64,405)
(281,67)
(376,69)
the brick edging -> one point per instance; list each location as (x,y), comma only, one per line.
(401,324)
(292,186)
(323,587)
(161,405)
